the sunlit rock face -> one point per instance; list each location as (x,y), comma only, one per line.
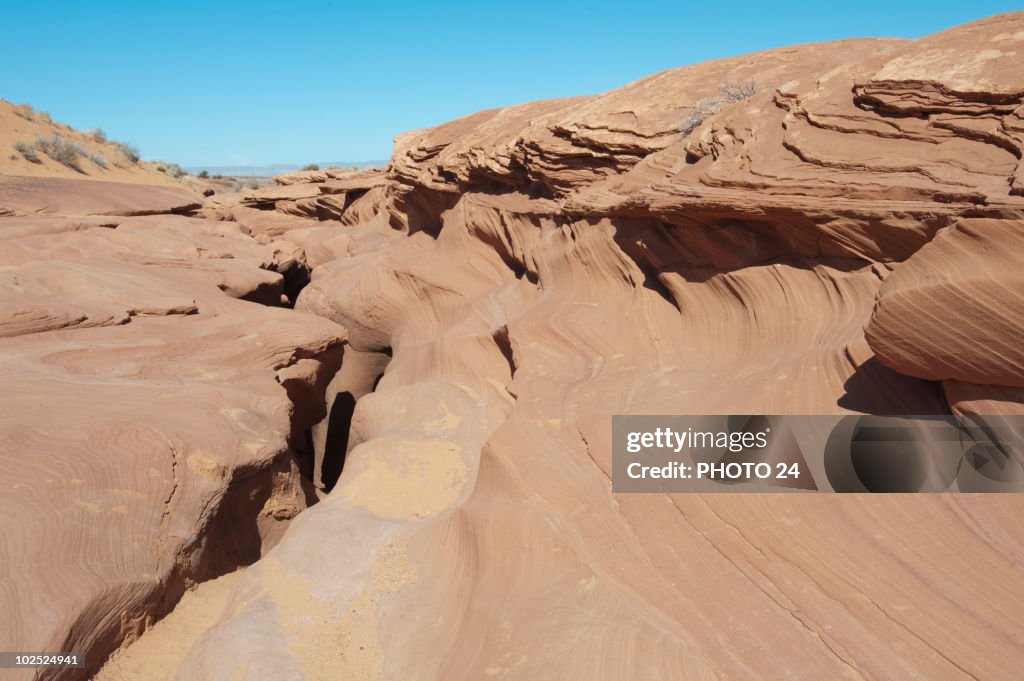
(830,228)
(156,397)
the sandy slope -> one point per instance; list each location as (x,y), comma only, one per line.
(31,124)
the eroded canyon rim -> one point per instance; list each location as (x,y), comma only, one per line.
(846,236)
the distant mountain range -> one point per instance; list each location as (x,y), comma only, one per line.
(279,168)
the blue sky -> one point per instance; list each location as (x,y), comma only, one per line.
(238,83)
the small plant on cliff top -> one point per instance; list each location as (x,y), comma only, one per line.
(311,166)
(24,111)
(729,92)
(30,114)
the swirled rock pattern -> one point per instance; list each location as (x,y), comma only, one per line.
(954,312)
(152,426)
(712,239)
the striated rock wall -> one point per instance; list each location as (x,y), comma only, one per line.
(533,270)
(844,239)
(154,422)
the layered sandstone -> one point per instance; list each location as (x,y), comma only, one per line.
(533,270)
(845,239)
(157,403)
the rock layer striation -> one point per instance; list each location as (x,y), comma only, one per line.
(843,237)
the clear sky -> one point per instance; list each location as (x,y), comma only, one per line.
(239,83)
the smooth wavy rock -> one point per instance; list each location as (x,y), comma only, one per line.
(954,312)
(525,273)
(297,201)
(63,196)
(152,422)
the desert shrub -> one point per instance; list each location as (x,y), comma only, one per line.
(218,177)
(173,169)
(729,92)
(238,186)
(27,151)
(311,166)
(98,159)
(62,151)
(702,110)
(161,169)
(253,184)
(203,174)
(129,151)
(97,135)
(25,111)
(736,92)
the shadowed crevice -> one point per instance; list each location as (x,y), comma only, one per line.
(339,424)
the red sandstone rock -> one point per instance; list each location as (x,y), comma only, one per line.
(573,259)
(150,422)
(517,277)
(955,309)
(62,196)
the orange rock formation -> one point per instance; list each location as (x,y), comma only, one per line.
(819,229)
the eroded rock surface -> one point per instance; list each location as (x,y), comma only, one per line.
(63,196)
(533,270)
(153,424)
(520,275)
